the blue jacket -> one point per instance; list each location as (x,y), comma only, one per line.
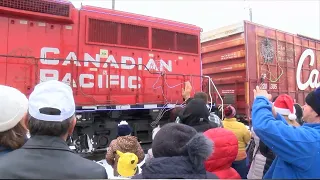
(297,148)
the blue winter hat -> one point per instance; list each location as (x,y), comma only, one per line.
(124,129)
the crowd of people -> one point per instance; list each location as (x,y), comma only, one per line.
(282,143)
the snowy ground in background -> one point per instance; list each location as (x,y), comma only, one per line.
(109,169)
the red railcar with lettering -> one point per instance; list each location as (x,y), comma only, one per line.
(239,57)
(121,66)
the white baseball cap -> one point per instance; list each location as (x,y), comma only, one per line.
(13,107)
(52,94)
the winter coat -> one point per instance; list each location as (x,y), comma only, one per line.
(296,148)
(268,153)
(47,157)
(4,150)
(258,161)
(264,157)
(123,144)
(177,167)
(242,133)
(225,152)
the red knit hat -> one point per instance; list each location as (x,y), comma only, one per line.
(284,105)
(229,111)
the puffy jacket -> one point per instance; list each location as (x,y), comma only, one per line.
(225,152)
(242,133)
(296,148)
(258,162)
(123,144)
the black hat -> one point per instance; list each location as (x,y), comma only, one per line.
(175,139)
(313,100)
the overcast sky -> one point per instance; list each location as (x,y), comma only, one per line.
(302,17)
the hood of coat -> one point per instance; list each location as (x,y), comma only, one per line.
(225,149)
(177,167)
(127,143)
(195,113)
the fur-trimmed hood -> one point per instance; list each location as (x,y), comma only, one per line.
(199,149)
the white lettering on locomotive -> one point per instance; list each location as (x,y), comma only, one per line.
(104,80)
(87,80)
(151,64)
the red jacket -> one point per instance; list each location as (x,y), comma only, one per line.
(225,152)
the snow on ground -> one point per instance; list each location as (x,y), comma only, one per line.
(109,169)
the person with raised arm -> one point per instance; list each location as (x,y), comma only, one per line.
(296,148)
